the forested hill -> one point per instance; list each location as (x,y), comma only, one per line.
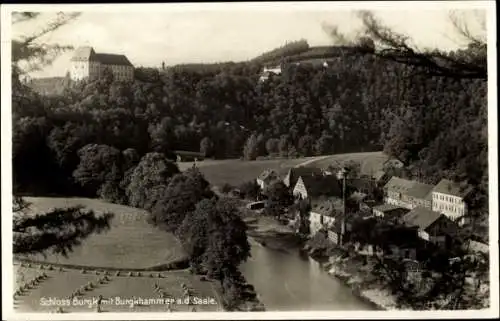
(436,125)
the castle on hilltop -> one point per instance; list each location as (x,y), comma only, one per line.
(87,64)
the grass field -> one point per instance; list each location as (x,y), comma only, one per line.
(370,161)
(131,243)
(235,172)
(116,290)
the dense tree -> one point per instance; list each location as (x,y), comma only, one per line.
(179,198)
(251,148)
(153,170)
(100,170)
(206,146)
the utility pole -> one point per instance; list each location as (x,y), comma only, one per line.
(342,175)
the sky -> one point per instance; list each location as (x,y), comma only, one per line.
(206,35)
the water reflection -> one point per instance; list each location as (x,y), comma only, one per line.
(291,281)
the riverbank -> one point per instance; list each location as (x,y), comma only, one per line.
(354,272)
(270,233)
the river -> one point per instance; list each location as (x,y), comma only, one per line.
(290,281)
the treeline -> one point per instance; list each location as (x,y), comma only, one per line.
(436,125)
(210,229)
(289,49)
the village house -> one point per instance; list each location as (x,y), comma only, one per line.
(87,64)
(408,194)
(266,178)
(294,173)
(432,226)
(449,198)
(393,163)
(269,72)
(380,178)
(389,211)
(323,213)
(310,187)
(187,156)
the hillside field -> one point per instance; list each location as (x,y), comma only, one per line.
(235,172)
(130,243)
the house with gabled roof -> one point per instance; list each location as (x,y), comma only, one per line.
(267,177)
(408,194)
(87,64)
(310,187)
(432,226)
(294,173)
(449,198)
(389,211)
(324,212)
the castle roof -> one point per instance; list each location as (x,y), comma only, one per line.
(87,53)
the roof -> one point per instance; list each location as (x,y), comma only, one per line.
(420,190)
(319,185)
(386,208)
(475,246)
(421,217)
(188,153)
(87,53)
(446,186)
(393,160)
(268,175)
(83,53)
(111,59)
(331,206)
(397,184)
(303,171)
(379,175)
(358,197)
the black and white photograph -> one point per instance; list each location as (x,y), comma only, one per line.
(249,160)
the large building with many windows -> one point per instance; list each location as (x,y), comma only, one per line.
(87,64)
(449,198)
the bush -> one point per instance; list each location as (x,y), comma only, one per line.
(226,188)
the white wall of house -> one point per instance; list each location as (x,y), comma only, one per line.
(261,183)
(79,70)
(451,206)
(423,235)
(318,221)
(300,189)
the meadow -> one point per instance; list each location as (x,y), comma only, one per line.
(130,243)
(122,254)
(235,172)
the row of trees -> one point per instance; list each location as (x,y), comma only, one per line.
(210,229)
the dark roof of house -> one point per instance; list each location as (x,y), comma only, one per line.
(268,175)
(421,217)
(87,53)
(318,185)
(360,183)
(111,59)
(420,190)
(386,208)
(446,186)
(304,171)
(188,153)
(331,206)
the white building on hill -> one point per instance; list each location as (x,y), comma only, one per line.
(87,64)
